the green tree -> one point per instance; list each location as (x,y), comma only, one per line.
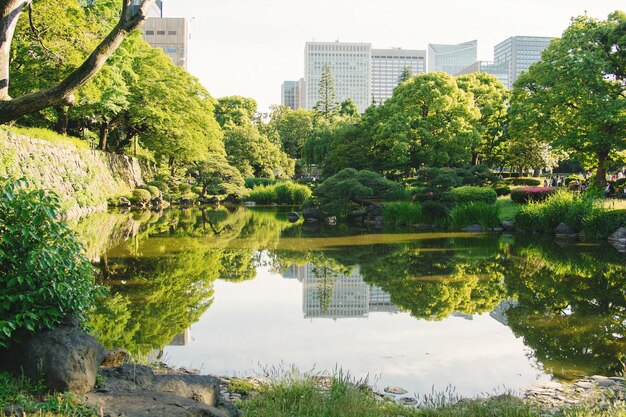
(292,128)
(235,110)
(327,104)
(428,121)
(349,109)
(575,97)
(407,74)
(217,177)
(491,98)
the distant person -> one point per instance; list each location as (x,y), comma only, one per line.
(545,183)
(555,182)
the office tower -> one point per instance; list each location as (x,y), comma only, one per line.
(499,69)
(350,64)
(520,52)
(289,94)
(451,58)
(388,66)
(169,34)
(301,93)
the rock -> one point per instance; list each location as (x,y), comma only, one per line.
(124,202)
(508,226)
(115,358)
(619,236)
(185,202)
(379,221)
(293,217)
(584,385)
(408,401)
(312,215)
(137,375)
(156,202)
(13,411)
(249,204)
(395,390)
(213,200)
(331,221)
(473,228)
(204,389)
(66,357)
(564,230)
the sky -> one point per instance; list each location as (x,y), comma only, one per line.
(249,47)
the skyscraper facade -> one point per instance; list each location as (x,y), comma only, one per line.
(350,64)
(451,58)
(499,69)
(520,52)
(170,34)
(156,10)
(388,66)
(289,94)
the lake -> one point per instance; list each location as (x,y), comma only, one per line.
(245,292)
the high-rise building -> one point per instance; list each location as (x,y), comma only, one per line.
(451,58)
(289,94)
(170,34)
(521,52)
(350,64)
(155,11)
(301,93)
(388,66)
(499,69)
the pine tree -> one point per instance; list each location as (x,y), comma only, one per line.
(327,103)
(407,74)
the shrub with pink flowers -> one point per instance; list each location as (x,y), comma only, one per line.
(523,195)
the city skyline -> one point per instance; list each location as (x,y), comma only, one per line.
(247,48)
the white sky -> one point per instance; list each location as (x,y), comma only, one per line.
(249,47)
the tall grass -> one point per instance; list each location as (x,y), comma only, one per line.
(483,214)
(562,207)
(280,193)
(48,135)
(403,213)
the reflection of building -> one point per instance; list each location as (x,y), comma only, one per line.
(451,58)
(327,293)
(499,313)
(520,52)
(388,66)
(181,339)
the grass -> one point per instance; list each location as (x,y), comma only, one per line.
(34,399)
(48,135)
(287,192)
(403,213)
(614,204)
(474,213)
(507,208)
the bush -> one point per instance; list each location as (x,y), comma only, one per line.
(434,212)
(184,188)
(601,223)
(574,178)
(526,194)
(561,207)
(154,191)
(255,182)
(486,215)
(196,190)
(471,194)
(44,274)
(141,196)
(403,213)
(531,182)
(501,189)
(280,193)
(161,185)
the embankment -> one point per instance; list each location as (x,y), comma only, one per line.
(82,178)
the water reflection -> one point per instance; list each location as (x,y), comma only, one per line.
(567,304)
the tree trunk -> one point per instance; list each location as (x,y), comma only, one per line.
(104,135)
(61,126)
(601,172)
(61,93)
(475,159)
(172,166)
(10,11)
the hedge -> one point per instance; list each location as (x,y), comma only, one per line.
(532,182)
(526,194)
(472,194)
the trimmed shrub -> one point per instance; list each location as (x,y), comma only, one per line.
(573,178)
(601,223)
(434,212)
(184,188)
(196,190)
(403,213)
(154,191)
(44,274)
(532,182)
(471,194)
(161,185)
(486,215)
(255,182)
(141,196)
(562,207)
(501,189)
(525,195)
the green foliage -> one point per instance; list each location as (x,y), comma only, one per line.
(525,195)
(529,181)
(141,196)
(160,185)
(217,177)
(403,213)
(574,178)
(44,276)
(486,215)
(184,188)
(280,193)
(435,212)
(339,193)
(154,191)
(601,223)
(47,135)
(561,207)
(291,128)
(508,208)
(472,194)
(501,189)
(327,104)
(36,401)
(255,182)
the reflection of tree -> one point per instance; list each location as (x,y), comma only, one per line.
(572,307)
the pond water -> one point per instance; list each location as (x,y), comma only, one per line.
(245,292)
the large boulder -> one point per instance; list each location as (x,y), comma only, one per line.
(565,231)
(473,228)
(124,202)
(293,217)
(619,236)
(312,215)
(508,226)
(67,358)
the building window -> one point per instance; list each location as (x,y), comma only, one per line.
(149,32)
(160,32)
(171,32)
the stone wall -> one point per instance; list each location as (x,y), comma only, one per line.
(83,178)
